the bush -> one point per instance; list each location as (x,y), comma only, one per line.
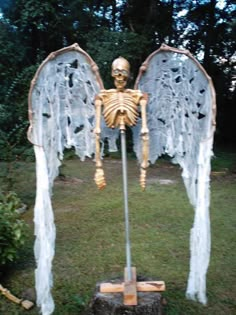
(12,228)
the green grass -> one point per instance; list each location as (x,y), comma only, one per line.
(90,236)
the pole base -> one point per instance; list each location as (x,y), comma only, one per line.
(130,288)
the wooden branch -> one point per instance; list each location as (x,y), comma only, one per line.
(24,303)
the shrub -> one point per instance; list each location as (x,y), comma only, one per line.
(12,228)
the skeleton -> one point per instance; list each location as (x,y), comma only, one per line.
(120,108)
(181,121)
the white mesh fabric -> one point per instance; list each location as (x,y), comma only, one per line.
(180,119)
(63,98)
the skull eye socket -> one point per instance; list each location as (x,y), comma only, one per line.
(120,72)
(116,72)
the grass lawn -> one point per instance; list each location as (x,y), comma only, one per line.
(90,244)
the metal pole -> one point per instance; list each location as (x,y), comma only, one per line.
(126,208)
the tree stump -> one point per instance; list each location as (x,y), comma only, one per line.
(149,303)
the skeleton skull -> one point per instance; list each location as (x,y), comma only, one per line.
(120,72)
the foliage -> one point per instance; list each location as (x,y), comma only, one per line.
(14,123)
(12,228)
(12,55)
(30,30)
(14,116)
(131,46)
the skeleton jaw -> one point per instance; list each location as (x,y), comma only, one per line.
(120,84)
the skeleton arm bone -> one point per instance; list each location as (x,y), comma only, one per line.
(145,141)
(99,173)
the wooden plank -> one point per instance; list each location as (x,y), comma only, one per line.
(151,286)
(110,287)
(142,286)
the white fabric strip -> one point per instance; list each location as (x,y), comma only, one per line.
(45,235)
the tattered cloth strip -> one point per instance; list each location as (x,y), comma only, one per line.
(45,235)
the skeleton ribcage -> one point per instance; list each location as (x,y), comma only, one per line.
(120,107)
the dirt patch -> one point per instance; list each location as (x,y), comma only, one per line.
(161,181)
(68,180)
(67,209)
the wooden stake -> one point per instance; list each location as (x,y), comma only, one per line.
(130,288)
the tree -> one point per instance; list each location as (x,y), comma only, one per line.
(15,75)
(31,29)
(212,36)
(126,44)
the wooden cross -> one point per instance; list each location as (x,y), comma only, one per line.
(130,288)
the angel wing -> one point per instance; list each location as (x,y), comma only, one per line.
(61,114)
(181,120)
